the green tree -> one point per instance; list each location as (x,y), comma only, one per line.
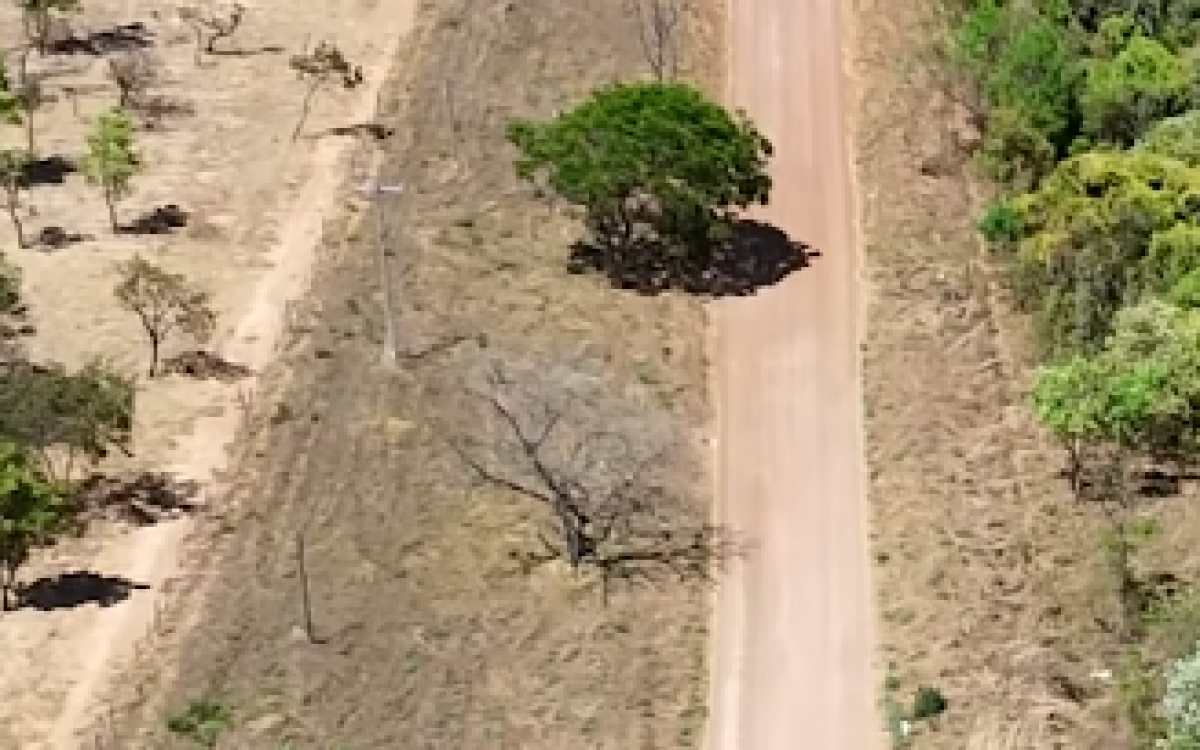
(1101,231)
(66,420)
(1122,95)
(33,510)
(112,161)
(1027,68)
(1106,411)
(165,303)
(656,159)
(38,17)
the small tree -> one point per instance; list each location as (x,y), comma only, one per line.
(38,18)
(32,511)
(656,159)
(659,25)
(12,181)
(1114,410)
(133,73)
(324,66)
(66,420)
(111,161)
(211,25)
(165,304)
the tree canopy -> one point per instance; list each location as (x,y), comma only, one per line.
(655,158)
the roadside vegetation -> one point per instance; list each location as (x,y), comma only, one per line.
(1089,121)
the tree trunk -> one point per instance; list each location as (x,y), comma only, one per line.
(304,108)
(13,206)
(111,204)
(155,349)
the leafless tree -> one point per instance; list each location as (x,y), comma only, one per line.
(323,66)
(211,25)
(658,22)
(609,471)
(133,73)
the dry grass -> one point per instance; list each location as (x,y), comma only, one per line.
(225,158)
(992,582)
(432,637)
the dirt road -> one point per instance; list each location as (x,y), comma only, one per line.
(794,623)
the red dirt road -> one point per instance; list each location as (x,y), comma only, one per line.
(795,630)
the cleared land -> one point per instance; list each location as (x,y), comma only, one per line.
(431,634)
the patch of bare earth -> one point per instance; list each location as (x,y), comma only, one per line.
(429,633)
(992,583)
(219,149)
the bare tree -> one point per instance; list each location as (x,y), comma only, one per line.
(609,471)
(211,25)
(133,73)
(323,66)
(658,22)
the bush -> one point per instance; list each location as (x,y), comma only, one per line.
(928,703)
(1181,705)
(1123,95)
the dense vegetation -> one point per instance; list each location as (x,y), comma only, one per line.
(1090,112)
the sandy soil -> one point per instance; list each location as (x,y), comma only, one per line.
(795,624)
(259,205)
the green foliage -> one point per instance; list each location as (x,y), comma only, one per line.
(1103,230)
(1123,95)
(928,703)
(203,722)
(32,511)
(112,161)
(66,417)
(1001,224)
(165,303)
(1028,69)
(10,104)
(655,157)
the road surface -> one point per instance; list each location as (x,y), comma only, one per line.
(794,623)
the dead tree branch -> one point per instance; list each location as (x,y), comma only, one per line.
(609,472)
(658,23)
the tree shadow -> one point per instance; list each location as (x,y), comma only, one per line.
(76,589)
(120,38)
(205,365)
(757,255)
(57,238)
(143,499)
(266,49)
(50,170)
(159,220)
(374,130)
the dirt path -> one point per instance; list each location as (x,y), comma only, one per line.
(150,555)
(794,630)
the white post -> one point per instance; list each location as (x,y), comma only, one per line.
(373,192)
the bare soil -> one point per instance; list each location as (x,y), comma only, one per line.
(992,583)
(429,633)
(224,156)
